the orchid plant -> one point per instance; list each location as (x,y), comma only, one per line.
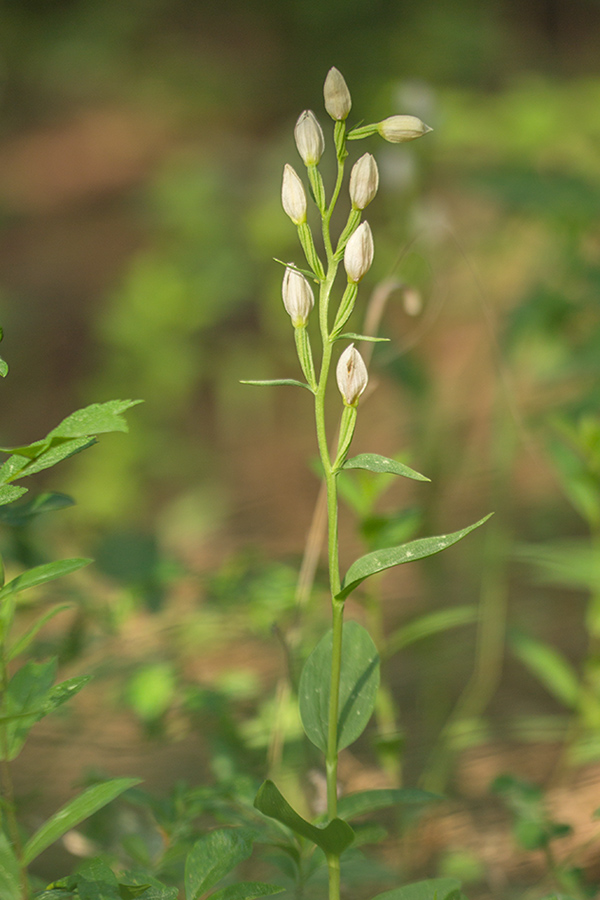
(340,679)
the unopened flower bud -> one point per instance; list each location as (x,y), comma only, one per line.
(352,375)
(364,181)
(309,138)
(298,297)
(358,254)
(338,101)
(398,129)
(293,197)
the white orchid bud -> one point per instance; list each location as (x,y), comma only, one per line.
(298,297)
(358,254)
(398,129)
(364,181)
(293,197)
(338,101)
(309,138)
(352,375)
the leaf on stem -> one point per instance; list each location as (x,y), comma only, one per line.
(350,336)
(214,856)
(380,560)
(278,381)
(10,492)
(373,462)
(24,641)
(333,839)
(359,682)
(74,812)
(42,574)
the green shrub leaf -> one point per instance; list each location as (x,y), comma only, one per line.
(359,682)
(373,462)
(432,889)
(213,857)
(74,812)
(334,838)
(380,560)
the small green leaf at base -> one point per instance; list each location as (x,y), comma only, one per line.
(359,682)
(432,889)
(74,812)
(214,856)
(278,381)
(380,560)
(333,839)
(373,462)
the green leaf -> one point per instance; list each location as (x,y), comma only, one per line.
(3,368)
(10,492)
(359,682)
(246,890)
(333,839)
(213,857)
(10,881)
(548,665)
(279,381)
(380,560)
(62,692)
(98,418)
(23,513)
(432,889)
(428,625)
(353,805)
(42,574)
(23,702)
(25,640)
(74,812)
(350,336)
(373,462)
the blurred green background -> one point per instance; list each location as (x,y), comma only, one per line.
(141,149)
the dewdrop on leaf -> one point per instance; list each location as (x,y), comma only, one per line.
(364,181)
(293,197)
(338,101)
(298,297)
(352,375)
(358,254)
(398,129)
(309,138)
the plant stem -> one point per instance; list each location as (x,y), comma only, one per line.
(333,865)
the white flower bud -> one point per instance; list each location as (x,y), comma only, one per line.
(364,181)
(352,375)
(293,197)
(398,129)
(309,138)
(298,297)
(358,254)
(338,101)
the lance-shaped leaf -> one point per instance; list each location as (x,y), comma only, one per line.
(24,641)
(432,889)
(23,513)
(359,683)
(333,839)
(246,890)
(74,812)
(278,381)
(214,856)
(353,805)
(350,336)
(23,702)
(42,574)
(429,624)
(373,462)
(551,668)
(380,560)
(10,492)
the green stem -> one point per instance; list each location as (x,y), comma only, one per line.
(333,865)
